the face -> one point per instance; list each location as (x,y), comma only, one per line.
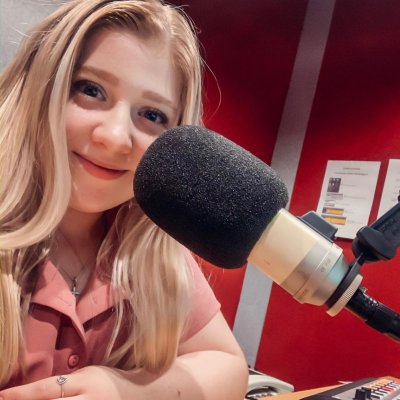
(125,93)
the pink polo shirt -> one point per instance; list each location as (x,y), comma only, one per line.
(63,334)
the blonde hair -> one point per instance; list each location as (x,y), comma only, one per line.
(148,267)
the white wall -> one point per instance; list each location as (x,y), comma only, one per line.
(16,17)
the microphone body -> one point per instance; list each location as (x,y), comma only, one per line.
(297,258)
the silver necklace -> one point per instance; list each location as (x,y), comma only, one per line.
(73,279)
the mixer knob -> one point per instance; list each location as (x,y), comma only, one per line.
(368,391)
(360,394)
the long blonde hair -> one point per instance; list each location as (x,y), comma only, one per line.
(146,265)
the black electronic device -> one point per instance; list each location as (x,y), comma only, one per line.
(261,385)
(386,388)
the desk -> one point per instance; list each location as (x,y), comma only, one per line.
(381,382)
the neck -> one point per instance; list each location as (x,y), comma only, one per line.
(82,229)
(77,242)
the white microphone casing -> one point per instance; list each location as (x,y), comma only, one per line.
(303,262)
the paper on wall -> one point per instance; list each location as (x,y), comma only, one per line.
(347,194)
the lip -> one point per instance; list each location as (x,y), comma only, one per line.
(99,171)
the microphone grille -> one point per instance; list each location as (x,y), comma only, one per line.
(210,194)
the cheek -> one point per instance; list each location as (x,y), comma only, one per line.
(72,125)
(78,126)
(141,143)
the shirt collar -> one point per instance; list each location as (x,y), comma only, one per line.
(53,291)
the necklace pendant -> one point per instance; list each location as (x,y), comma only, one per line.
(74,289)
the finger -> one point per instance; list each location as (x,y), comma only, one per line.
(61,379)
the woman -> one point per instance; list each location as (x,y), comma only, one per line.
(95,300)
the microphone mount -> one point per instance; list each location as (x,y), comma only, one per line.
(378,241)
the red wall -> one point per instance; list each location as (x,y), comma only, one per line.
(250,46)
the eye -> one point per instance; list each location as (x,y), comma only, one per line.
(89,89)
(154,115)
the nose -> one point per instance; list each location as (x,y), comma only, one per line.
(115,129)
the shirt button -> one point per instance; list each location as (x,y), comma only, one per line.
(73,361)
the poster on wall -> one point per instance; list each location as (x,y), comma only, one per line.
(347,194)
(391,188)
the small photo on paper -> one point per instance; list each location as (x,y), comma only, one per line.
(334,185)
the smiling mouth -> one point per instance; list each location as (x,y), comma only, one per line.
(99,171)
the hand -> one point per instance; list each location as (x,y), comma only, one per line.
(87,383)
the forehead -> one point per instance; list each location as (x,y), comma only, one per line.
(111,42)
(143,62)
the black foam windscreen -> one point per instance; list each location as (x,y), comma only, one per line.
(208,193)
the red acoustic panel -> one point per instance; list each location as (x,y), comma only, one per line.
(355,116)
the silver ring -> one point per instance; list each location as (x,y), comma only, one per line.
(60,381)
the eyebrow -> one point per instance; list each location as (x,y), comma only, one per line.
(108,76)
(160,99)
(113,79)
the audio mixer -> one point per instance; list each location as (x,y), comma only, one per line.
(386,388)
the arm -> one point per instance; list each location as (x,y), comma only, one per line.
(209,366)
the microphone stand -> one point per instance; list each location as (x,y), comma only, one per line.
(378,241)
(375,314)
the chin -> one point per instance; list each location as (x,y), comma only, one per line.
(93,207)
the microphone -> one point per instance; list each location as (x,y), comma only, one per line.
(227,206)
